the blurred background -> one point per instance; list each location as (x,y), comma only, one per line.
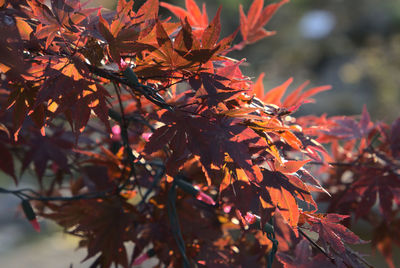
(352,45)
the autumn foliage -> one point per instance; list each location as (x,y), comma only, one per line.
(141,129)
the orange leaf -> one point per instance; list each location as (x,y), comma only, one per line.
(244,28)
(268,12)
(23,28)
(194,11)
(275,153)
(312,92)
(178,11)
(211,33)
(291,166)
(260,34)
(242,112)
(291,139)
(288,208)
(286,204)
(294,95)
(255,12)
(149,10)
(165,43)
(258,88)
(252,26)
(275,95)
(193,14)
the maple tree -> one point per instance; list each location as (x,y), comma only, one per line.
(142,130)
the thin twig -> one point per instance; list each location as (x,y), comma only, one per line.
(125,140)
(316,245)
(149,92)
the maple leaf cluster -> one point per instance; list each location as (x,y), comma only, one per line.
(140,129)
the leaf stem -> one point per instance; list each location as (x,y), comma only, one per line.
(316,245)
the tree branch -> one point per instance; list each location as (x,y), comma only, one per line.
(150,93)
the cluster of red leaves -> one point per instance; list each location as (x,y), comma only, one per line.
(365,179)
(150,102)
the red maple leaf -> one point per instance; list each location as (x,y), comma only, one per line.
(348,128)
(293,101)
(331,232)
(196,18)
(252,25)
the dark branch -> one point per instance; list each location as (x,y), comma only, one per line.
(150,93)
